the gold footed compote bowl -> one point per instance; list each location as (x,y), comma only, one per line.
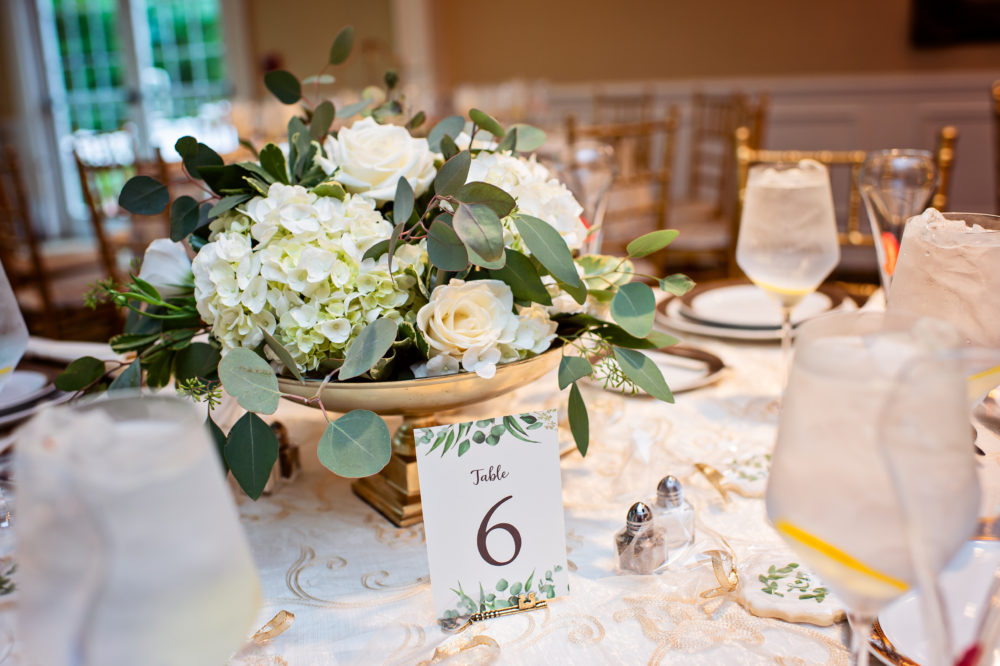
(395,491)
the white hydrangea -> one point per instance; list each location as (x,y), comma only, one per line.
(291,263)
(537,192)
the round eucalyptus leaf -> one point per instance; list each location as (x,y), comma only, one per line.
(371,344)
(572,368)
(445,249)
(487,122)
(451,126)
(453,174)
(355,445)
(284,86)
(143,195)
(479,228)
(80,373)
(633,308)
(250,379)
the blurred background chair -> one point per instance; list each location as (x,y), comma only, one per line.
(858,268)
(50,286)
(995,93)
(610,108)
(704,215)
(105,161)
(639,197)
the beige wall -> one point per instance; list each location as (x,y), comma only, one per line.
(300,32)
(597,40)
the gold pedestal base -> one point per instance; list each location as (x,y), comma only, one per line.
(395,491)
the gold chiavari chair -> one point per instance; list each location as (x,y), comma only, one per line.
(104,162)
(616,108)
(995,93)
(704,215)
(856,260)
(640,194)
(49,286)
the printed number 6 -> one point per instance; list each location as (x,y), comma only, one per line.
(484,532)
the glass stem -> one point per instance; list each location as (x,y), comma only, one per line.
(786,345)
(861,630)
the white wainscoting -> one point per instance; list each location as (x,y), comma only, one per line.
(845,112)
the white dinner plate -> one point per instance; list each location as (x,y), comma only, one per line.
(15,417)
(964,584)
(744,305)
(684,367)
(668,315)
(22,387)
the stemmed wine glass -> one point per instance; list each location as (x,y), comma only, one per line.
(787,242)
(13,332)
(895,185)
(873,480)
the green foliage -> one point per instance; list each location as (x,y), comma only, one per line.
(248,378)
(283,355)
(355,445)
(273,161)
(549,248)
(402,206)
(341,47)
(572,368)
(445,249)
(80,374)
(640,369)
(488,195)
(521,276)
(676,284)
(481,232)
(143,195)
(129,379)
(528,138)
(284,86)
(453,174)
(322,120)
(652,242)
(184,216)
(371,344)
(633,307)
(451,127)
(579,421)
(250,452)
(486,122)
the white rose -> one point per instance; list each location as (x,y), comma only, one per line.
(470,321)
(371,159)
(166,266)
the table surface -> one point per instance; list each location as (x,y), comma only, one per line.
(359,586)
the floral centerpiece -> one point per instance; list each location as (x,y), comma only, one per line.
(371,254)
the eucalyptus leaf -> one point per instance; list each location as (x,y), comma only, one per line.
(183,217)
(376,250)
(322,120)
(572,368)
(283,355)
(445,249)
(529,138)
(659,339)
(644,372)
(126,342)
(391,78)
(676,284)
(202,156)
(143,195)
(453,174)
(402,206)
(486,122)
(128,379)
(448,147)
(199,359)
(451,126)
(633,308)
(416,121)
(549,248)
(248,378)
(219,438)
(371,344)
(481,232)
(509,142)
(579,420)
(79,374)
(521,276)
(489,195)
(250,452)
(330,189)
(341,47)
(228,203)
(258,171)
(186,147)
(284,86)
(652,242)
(353,109)
(355,445)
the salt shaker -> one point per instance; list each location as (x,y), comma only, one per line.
(674,514)
(640,546)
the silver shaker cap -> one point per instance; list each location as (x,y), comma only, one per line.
(639,517)
(669,492)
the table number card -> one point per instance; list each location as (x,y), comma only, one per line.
(493,514)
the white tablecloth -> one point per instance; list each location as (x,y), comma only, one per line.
(359,587)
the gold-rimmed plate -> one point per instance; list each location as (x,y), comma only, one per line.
(738,303)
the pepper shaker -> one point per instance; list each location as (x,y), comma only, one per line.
(640,547)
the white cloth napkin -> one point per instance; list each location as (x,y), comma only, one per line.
(68,350)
